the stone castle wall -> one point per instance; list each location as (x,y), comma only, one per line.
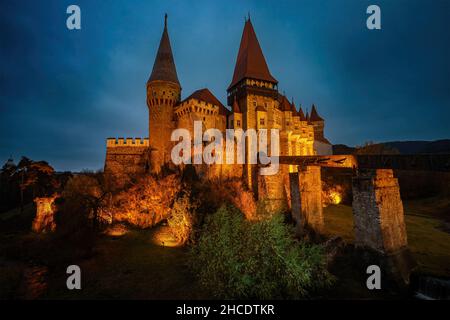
(127,157)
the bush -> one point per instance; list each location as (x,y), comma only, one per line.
(182,219)
(147,202)
(240,259)
(214,194)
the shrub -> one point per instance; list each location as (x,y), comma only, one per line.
(182,218)
(86,195)
(147,202)
(240,259)
(214,194)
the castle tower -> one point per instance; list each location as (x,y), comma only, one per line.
(253,88)
(317,122)
(163,93)
(321,144)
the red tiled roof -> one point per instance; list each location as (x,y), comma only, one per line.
(250,62)
(314,115)
(284,103)
(236,108)
(301,114)
(293,108)
(207,96)
(164,66)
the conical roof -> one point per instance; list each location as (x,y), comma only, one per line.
(314,115)
(301,114)
(164,66)
(250,62)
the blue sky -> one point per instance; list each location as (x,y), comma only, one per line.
(62,92)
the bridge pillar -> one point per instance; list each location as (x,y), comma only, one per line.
(306,198)
(378,211)
(271,191)
(294,187)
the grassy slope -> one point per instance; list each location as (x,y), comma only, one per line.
(132,267)
(429,244)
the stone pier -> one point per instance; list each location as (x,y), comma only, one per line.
(295,201)
(45,210)
(378,211)
(306,198)
(271,191)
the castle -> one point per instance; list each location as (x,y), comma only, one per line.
(253,100)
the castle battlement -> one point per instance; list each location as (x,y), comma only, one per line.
(126,142)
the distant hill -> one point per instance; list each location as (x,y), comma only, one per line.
(404,147)
(410,147)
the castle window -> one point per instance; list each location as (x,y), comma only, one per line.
(238,123)
(287,123)
(261,121)
(254,103)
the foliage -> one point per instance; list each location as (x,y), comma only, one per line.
(147,202)
(182,218)
(240,259)
(214,194)
(85,196)
(20,184)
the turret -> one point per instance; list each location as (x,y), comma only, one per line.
(318,123)
(163,93)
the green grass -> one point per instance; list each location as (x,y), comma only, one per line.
(428,242)
(132,266)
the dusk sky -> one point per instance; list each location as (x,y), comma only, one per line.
(63,92)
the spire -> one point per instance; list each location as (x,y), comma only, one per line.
(301,114)
(293,108)
(284,103)
(314,115)
(236,108)
(164,66)
(250,62)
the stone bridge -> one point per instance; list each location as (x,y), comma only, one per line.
(377,207)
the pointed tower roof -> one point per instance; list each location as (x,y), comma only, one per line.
(250,62)
(236,108)
(164,66)
(301,114)
(293,108)
(314,115)
(284,103)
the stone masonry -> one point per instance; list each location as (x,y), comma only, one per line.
(311,197)
(45,210)
(378,211)
(295,201)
